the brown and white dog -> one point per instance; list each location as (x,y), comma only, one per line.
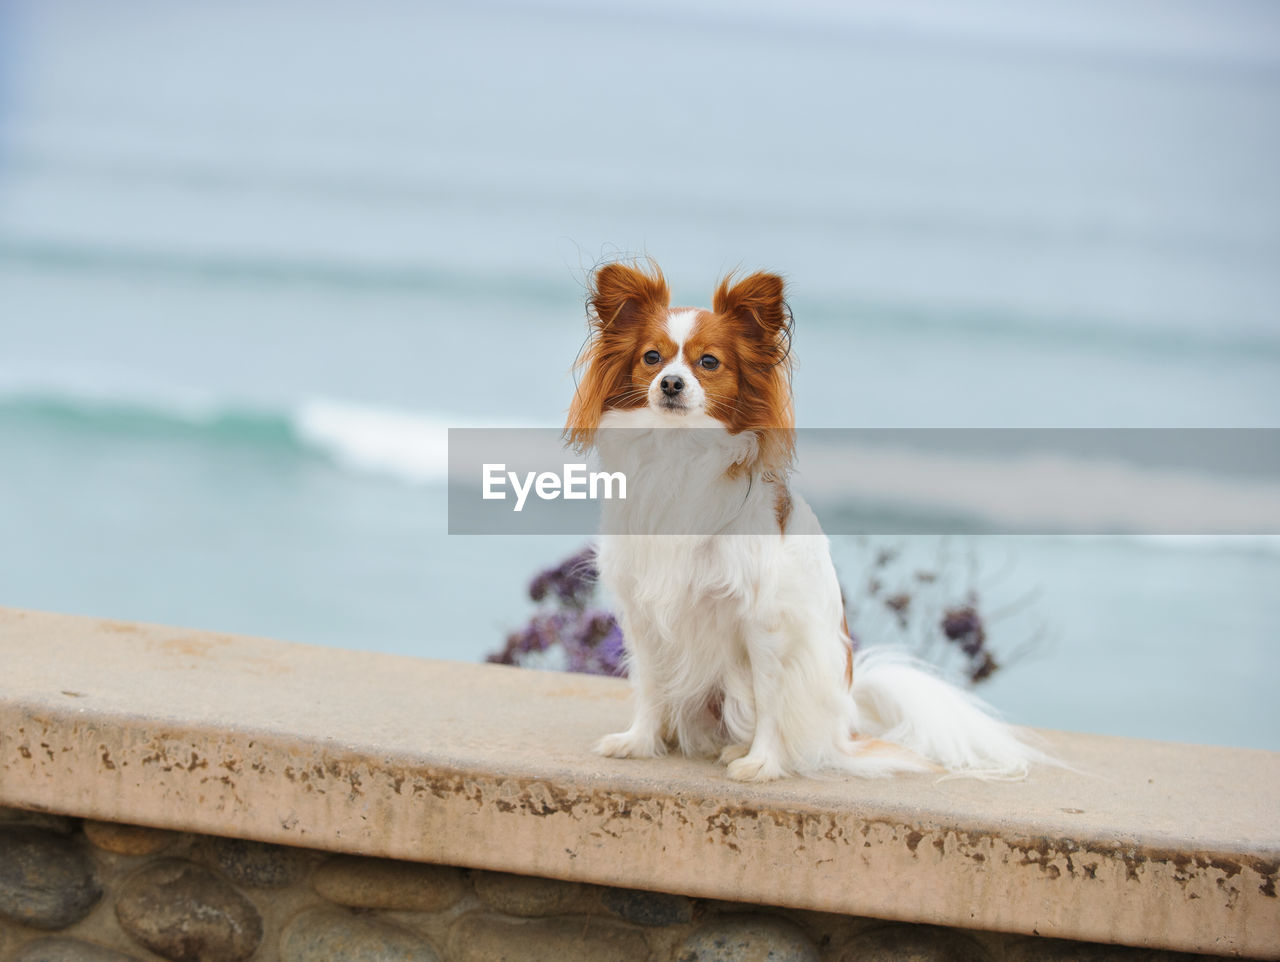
(728,599)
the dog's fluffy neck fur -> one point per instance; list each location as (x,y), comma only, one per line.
(686,475)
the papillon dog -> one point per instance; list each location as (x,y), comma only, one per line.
(731,612)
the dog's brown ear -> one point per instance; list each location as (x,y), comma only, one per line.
(621,297)
(622,293)
(757,307)
(757,302)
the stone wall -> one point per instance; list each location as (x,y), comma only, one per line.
(75,890)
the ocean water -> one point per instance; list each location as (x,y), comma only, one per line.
(256,258)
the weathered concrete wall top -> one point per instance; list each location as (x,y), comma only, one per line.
(1146,844)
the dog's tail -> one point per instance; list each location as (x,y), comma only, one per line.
(900,701)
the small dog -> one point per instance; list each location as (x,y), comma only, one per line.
(737,644)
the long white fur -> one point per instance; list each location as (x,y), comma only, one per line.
(731,615)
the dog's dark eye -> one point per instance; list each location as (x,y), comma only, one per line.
(652,357)
(709,362)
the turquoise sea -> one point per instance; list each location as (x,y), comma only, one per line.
(256,258)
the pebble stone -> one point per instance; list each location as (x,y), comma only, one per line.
(523,894)
(647,908)
(186,910)
(376,883)
(46,879)
(62,824)
(326,935)
(747,939)
(257,864)
(182,911)
(911,943)
(69,950)
(479,937)
(127,839)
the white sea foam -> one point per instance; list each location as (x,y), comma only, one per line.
(407,446)
(396,444)
(375,440)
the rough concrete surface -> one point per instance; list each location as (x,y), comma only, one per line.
(1146,843)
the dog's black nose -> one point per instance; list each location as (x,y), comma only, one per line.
(672,385)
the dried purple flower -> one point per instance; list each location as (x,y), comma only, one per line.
(589,638)
(573,581)
(613,651)
(963,625)
(983,667)
(542,633)
(594,643)
(900,605)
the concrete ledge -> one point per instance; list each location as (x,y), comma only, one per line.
(1158,845)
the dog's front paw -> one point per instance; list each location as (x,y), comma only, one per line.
(629,744)
(755,768)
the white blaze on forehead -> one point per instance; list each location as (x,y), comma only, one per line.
(691,397)
(680,326)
